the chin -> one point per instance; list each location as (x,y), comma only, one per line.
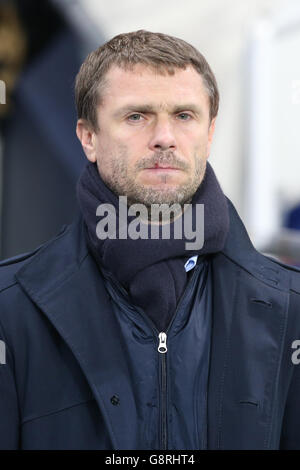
(171,195)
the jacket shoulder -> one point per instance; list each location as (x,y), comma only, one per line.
(289,267)
(9,266)
(293,272)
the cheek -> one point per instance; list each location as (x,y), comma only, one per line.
(201,142)
(105,153)
(107,147)
(193,137)
(135,143)
(136,138)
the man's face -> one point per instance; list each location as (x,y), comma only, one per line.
(154,136)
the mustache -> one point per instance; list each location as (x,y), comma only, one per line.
(166,158)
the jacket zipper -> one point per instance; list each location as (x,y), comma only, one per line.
(162,349)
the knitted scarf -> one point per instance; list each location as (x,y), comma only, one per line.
(152,269)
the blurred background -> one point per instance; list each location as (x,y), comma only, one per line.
(253,47)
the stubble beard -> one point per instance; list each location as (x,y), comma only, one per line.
(123,184)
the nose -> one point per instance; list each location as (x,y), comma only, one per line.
(162,137)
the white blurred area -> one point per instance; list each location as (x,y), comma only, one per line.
(253,48)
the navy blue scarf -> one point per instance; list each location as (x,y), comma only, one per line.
(152,270)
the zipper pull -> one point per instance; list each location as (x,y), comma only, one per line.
(162,347)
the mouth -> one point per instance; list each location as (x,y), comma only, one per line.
(163,170)
(162,167)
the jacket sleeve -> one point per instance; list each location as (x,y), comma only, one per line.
(9,409)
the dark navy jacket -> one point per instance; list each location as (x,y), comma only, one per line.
(68,381)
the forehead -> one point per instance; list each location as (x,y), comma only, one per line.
(142,83)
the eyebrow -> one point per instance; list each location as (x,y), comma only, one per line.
(148,108)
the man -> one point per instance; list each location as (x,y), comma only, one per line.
(119,341)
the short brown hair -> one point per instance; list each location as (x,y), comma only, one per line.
(157,50)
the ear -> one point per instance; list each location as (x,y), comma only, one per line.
(211,131)
(87,138)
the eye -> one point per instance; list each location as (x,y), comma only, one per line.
(184,116)
(134,117)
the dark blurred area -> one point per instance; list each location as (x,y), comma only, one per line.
(41,157)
